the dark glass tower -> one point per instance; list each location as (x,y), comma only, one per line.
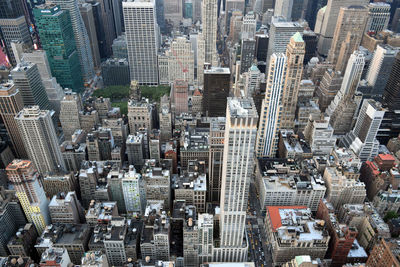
(391,95)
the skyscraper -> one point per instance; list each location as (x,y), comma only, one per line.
(269,125)
(209,19)
(247,52)
(378,16)
(362,139)
(10,104)
(142,40)
(391,95)
(351,20)
(81,37)
(344,105)
(25,179)
(378,74)
(295,56)
(237,168)
(27,79)
(181,60)
(57,38)
(329,20)
(279,35)
(109,11)
(216,90)
(38,134)
(69,114)
(86,10)
(173,11)
(216,144)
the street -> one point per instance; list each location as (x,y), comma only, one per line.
(258,252)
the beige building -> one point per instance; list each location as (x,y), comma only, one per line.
(295,55)
(10,104)
(66,208)
(181,60)
(71,106)
(139,115)
(54,184)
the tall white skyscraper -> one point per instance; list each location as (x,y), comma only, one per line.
(268,128)
(131,190)
(141,31)
(209,18)
(40,140)
(362,139)
(238,163)
(81,37)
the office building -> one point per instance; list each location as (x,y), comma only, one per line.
(22,243)
(391,95)
(249,26)
(40,140)
(180,96)
(142,40)
(173,12)
(71,106)
(54,91)
(119,47)
(319,135)
(280,184)
(11,218)
(378,17)
(101,212)
(216,152)
(181,60)
(10,105)
(54,184)
(115,72)
(65,208)
(344,105)
(241,131)
(81,37)
(215,91)
(294,69)
(135,150)
(362,139)
(165,118)
(351,21)
(329,86)
(158,184)
(57,38)
(252,81)
(133,191)
(195,146)
(87,11)
(326,27)
(14,28)
(293,231)
(247,52)
(384,253)
(57,257)
(279,35)
(341,189)
(29,189)
(94,258)
(26,78)
(269,125)
(209,17)
(311,40)
(140,115)
(378,74)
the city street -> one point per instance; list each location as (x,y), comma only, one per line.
(258,252)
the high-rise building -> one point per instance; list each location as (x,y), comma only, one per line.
(14,28)
(294,70)
(133,191)
(351,21)
(54,91)
(86,10)
(384,253)
(248,49)
(81,37)
(378,74)
(39,136)
(329,19)
(65,208)
(10,104)
(173,12)
(344,105)
(180,95)
(142,40)
(200,58)
(26,78)
(319,134)
(119,47)
(216,143)
(238,162)
(57,38)
(25,178)
(135,150)
(279,35)
(140,115)
(215,91)
(209,17)
(181,60)
(378,17)
(115,71)
(269,125)
(329,86)
(69,115)
(109,14)
(362,139)
(249,26)
(391,95)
